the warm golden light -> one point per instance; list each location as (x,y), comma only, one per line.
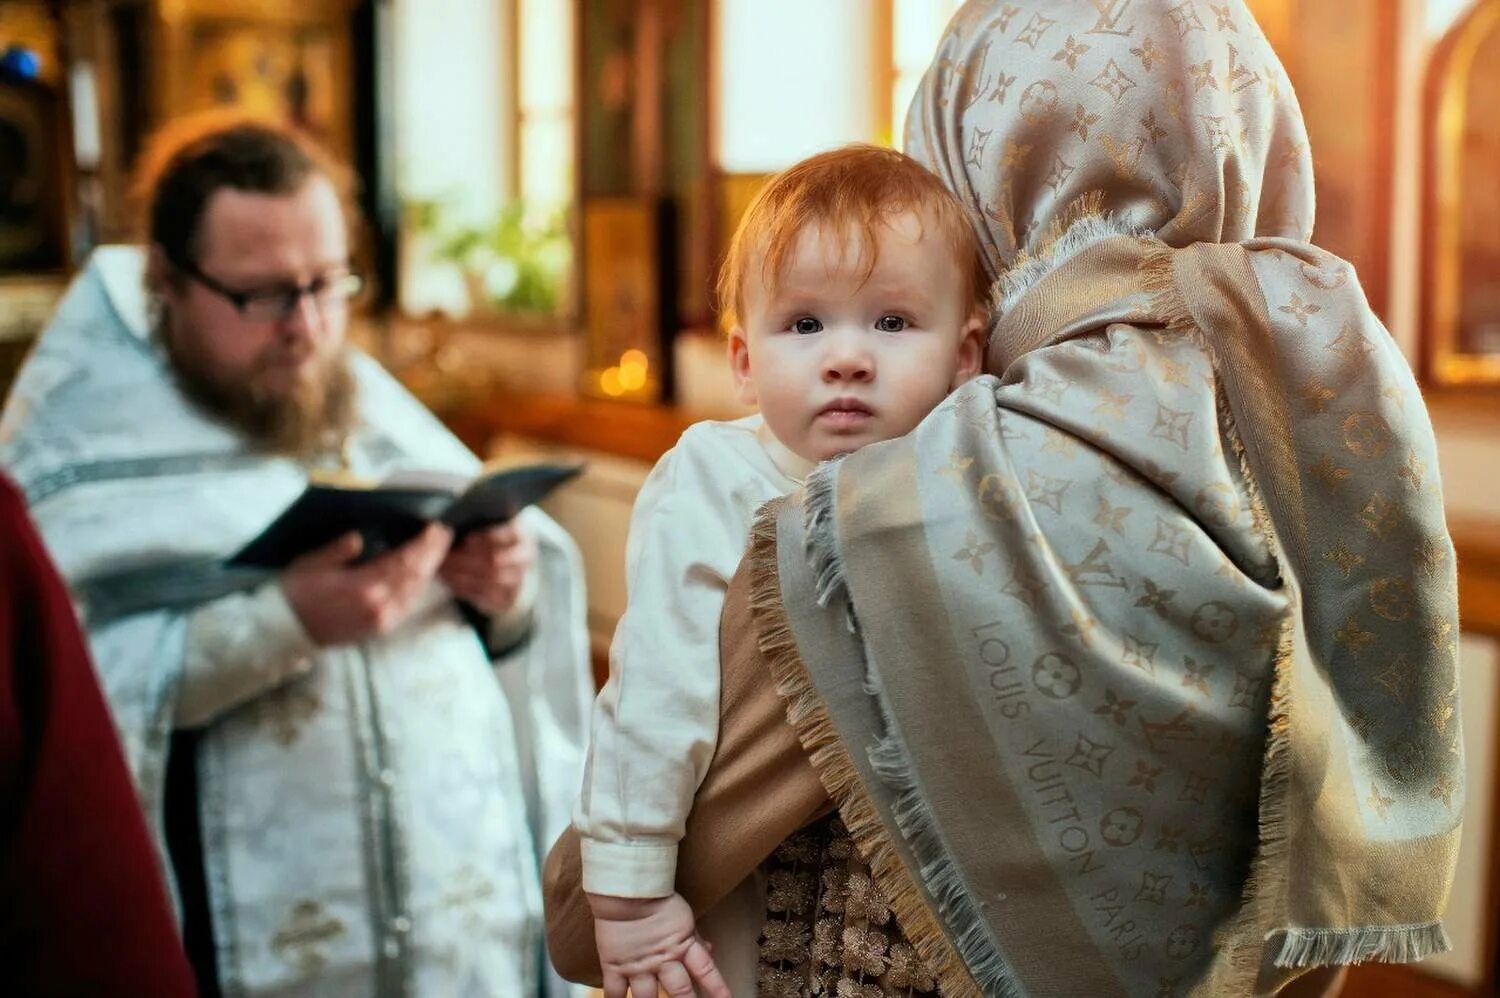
(633,368)
(610,383)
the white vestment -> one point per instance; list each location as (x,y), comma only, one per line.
(373,816)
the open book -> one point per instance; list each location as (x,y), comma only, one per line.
(395,510)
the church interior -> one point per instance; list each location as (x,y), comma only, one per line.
(548,186)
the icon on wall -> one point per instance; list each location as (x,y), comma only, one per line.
(32,234)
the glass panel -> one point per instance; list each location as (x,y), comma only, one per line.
(547,161)
(546,28)
(485,98)
(917,27)
(765,117)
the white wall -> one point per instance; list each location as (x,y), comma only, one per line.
(786,80)
(453,92)
(452,79)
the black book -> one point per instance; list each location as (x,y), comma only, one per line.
(397,509)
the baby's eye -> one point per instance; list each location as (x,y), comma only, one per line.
(890,324)
(807,324)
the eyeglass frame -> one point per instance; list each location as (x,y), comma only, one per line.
(291,295)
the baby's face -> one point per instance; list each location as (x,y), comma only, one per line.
(836,360)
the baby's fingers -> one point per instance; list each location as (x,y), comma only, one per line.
(705,973)
(674,980)
(643,985)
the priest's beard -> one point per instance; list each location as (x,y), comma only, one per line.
(312,419)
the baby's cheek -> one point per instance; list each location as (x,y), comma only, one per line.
(918,398)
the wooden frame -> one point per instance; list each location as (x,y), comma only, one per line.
(1444,361)
(627,348)
(883,40)
(510,111)
(1478,549)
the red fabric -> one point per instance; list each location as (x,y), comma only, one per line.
(83,909)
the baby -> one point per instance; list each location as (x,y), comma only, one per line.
(856,300)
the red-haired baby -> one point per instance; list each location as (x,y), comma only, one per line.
(856,300)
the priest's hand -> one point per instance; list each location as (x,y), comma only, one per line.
(339,602)
(488,567)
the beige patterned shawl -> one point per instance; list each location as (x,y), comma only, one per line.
(1132,669)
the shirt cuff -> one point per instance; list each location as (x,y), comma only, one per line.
(627,870)
(238,648)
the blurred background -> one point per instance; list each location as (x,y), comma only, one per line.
(548,186)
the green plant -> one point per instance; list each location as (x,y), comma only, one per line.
(519,261)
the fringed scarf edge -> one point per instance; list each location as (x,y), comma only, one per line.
(815,729)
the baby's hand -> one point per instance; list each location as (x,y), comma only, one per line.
(651,945)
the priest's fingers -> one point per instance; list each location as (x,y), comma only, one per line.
(705,973)
(487,594)
(481,576)
(334,554)
(503,535)
(417,559)
(497,547)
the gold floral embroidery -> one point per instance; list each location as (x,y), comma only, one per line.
(800,848)
(835,889)
(864,901)
(790,892)
(778,983)
(784,942)
(864,951)
(826,946)
(303,934)
(845,941)
(908,971)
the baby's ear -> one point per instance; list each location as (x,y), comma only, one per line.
(739,364)
(970,350)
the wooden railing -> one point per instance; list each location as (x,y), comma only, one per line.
(622,429)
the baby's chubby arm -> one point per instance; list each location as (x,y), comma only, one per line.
(759,789)
(655,723)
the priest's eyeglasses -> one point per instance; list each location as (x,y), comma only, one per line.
(277,303)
